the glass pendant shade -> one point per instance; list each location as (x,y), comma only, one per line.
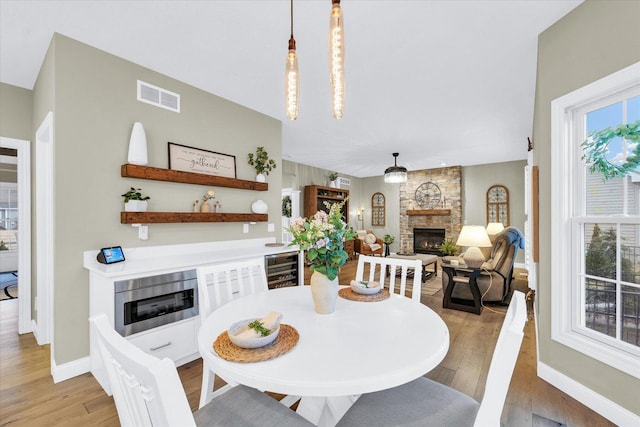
(395,173)
(336,58)
(291,85)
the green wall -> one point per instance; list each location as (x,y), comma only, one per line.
(16,105)
(594,40)
(95,107)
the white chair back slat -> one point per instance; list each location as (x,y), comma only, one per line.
(503,362)
(147,390)
(397,269)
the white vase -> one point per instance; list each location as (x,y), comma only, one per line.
(137,146)
(135,206)
(324,293)
(261,177)
(333,184)
(259,207)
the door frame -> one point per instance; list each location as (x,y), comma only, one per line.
(24,219)
(44,214)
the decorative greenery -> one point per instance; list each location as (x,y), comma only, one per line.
(3,246)
(448,247)
(389,239)
(322,236)
(333,176)
(208,196)
(259,328)
(261,162)
(286,206)
(596,147)
(134,194)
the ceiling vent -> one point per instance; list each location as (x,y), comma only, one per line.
(157,96)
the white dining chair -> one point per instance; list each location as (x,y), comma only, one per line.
(424,402)
(217,285)
(381,268)
(147,391)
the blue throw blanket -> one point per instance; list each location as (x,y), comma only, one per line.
(514,236)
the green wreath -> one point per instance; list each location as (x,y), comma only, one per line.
(596,146)
(286,206)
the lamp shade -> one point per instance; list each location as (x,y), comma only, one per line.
(494,228)
(474,235)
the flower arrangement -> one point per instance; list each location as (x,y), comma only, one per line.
(389,239)
(333,176)
(323,235)
(261,161)
(209,195)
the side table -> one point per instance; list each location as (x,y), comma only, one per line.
(467,279)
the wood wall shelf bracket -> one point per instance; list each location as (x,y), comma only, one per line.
(158,174)
(428,212)
(177,217)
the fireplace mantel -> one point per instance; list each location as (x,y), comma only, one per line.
(416,212)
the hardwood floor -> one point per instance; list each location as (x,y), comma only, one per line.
(28,396)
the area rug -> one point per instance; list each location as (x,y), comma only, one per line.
(9,285)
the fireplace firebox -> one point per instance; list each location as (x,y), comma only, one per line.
(427,240)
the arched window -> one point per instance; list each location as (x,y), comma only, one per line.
(378,213)
(498,204)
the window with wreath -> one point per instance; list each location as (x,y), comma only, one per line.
(596,221)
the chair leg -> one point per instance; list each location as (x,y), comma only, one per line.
(207,393)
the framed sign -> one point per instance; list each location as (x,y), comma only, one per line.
(191,159)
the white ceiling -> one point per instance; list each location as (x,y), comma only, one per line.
(437,81)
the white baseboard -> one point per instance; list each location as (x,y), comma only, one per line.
(70,369)
(34,330)
(603,406)
(520,265)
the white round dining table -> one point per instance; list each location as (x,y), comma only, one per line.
(362,347)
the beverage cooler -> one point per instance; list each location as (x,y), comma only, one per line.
(283,269)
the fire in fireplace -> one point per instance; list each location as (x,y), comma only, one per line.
(427,240)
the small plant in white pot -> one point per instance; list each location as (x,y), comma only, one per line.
(134,201)
(261,163)
(333,179)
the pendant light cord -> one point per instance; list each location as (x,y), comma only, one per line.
(291,18)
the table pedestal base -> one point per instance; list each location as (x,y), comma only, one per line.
(325,411)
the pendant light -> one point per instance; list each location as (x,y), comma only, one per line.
(395,173)
(336,58)
(291,82)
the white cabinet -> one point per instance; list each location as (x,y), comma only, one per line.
(177,341)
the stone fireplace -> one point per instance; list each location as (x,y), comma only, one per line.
(446,216)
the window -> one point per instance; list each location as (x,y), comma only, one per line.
(498,204)
(377,210)
(595,231)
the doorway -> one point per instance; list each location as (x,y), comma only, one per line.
(20,227)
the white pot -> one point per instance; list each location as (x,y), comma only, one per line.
(135,206)
(333,184)
(324,293)
(261,177)
(137,145)
(259,207)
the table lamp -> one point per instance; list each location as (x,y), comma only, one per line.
(493,228)
(473,237)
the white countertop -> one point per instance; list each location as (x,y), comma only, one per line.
(156,259)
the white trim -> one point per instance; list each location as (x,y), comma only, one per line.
(565,232)
(44,237)
(23,161)
(600,404)
(70,369)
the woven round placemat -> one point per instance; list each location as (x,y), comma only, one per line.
(347,293)
(287,339)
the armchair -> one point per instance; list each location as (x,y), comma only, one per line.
(495,286)
(366,243)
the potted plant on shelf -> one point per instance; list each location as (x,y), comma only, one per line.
(261,163)
(333,178)
(134,201)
